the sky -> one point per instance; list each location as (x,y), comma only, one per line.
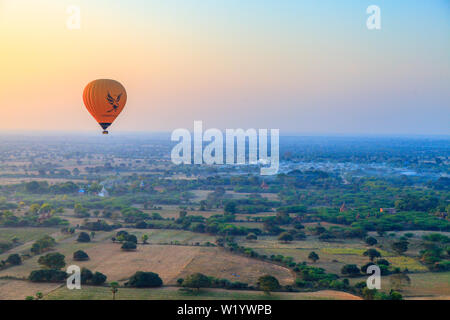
(305,67)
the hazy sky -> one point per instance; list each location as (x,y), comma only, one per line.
(300,66)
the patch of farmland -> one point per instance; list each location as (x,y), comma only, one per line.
(119,265)
(172,293)
(66,246)
(222,264)
(19,289)
(167,236)
(201,194)
(428,285)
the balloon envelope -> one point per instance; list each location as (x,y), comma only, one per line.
(105,100)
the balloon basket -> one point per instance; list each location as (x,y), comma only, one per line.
(105,132)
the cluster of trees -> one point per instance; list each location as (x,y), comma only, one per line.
(9,219)
(92,278)
(436,252)
(43,187)
(43,244)
(129,241)
(51,263)
(13,260)
(198,280)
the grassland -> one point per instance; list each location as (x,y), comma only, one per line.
(172,293)
(25,234)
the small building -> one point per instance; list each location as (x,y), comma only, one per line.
(103,193)
(388,210)
(159,189)
(264,185)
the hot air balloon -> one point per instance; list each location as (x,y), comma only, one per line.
(104,99)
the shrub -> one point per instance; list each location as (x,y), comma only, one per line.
(350,269)
(251,236)
(98,279)
(371,241)
(80,255)
(313,256)
(14,259)
(83,237)
(285,237)
(129,246)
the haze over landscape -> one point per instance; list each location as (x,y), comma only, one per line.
(298,66)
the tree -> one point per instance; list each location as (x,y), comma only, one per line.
(45,208)
(80,255)
(400,246)
(83,237)
(251,236)
(76,172)
(285,237)
(14,259)
(114,288)
(371,241)
(98,279)
(86,275)
(230,207)
(131,238)
(197,280)
(144,238)
(145,280)
(350,269)
(372,254)
(53,260)
(129,246)
(313,256)
(268,283)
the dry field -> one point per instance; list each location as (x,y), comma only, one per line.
(222,264)
(172,293)
(19,289)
